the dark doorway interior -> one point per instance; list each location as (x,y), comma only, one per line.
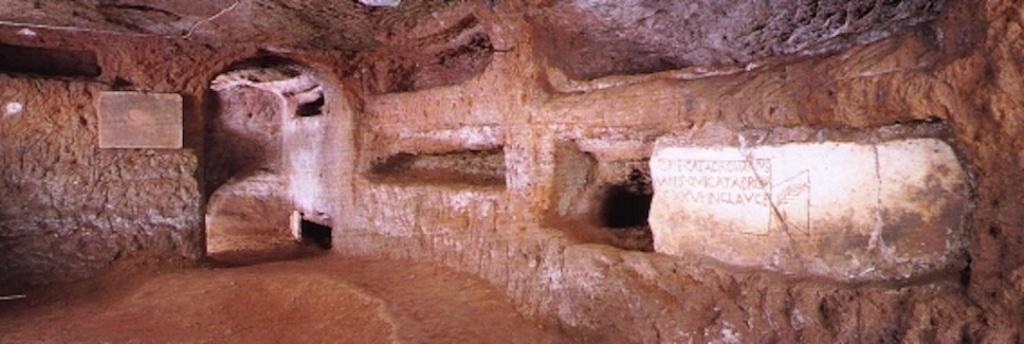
(316,233)
(627,204)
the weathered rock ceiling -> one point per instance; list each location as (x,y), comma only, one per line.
(341,24)
(591,38)
(585,38)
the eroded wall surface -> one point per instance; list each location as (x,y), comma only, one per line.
(69,207)
(551,125)
(483,175)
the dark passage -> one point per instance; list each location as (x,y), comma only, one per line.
(625,206)
(624,211)
(316,233)
(48,62)
(314,108)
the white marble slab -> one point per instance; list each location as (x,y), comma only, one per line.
(846,210)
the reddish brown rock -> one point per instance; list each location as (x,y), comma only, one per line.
(591,39)
(70,208)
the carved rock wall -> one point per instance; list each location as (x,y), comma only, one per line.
(918,78)
(962,71)
(70,207)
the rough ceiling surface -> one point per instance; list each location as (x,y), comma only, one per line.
(595,38)
(586,39)
(341,25)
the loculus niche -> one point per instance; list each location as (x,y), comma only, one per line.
(845,210)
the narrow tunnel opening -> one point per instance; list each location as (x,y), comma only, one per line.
(314,108)
(315,233)
(623,210)
(624,207)
(627,204)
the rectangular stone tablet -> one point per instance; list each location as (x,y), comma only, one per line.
(840,209)
(140,120)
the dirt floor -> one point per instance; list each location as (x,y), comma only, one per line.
(267,289)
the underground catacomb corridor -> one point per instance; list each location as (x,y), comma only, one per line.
(511,171)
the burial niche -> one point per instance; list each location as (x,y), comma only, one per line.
(484,167)
(601,198)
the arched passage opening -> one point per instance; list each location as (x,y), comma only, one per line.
(264,132)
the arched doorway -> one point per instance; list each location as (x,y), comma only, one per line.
(263,116)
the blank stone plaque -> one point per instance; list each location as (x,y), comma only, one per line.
(140,120)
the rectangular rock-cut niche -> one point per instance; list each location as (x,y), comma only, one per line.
(48,62)
(603,201)
(140,120)
(845,210)
(469,167)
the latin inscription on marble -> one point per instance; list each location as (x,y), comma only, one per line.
(834,208)
(738,187)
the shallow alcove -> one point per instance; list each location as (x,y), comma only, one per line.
(474,167)
(49,62)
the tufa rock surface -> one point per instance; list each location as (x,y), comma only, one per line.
(70,208)
(591,39)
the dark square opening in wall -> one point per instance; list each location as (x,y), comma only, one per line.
(48,62)
(313,108)
(602,201)
(316,233)
(625,206)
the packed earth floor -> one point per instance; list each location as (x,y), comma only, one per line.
(261,289)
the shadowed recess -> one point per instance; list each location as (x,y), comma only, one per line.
(48,62)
